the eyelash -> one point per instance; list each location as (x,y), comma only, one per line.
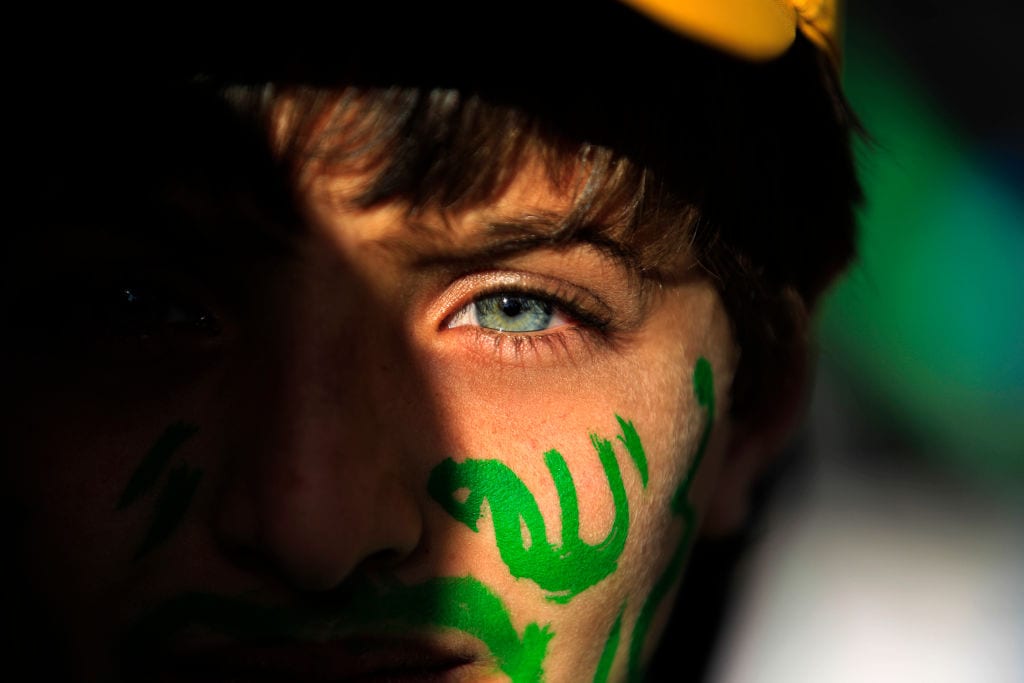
(586,327)
(124,320)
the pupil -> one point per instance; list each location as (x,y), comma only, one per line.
(511,307)
(132,311)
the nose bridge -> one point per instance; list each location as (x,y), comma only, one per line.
(323,490)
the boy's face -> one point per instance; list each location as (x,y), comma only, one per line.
(403,447)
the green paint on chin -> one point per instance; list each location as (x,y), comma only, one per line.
(461,603)
(566,570)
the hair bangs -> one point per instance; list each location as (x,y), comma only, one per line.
(439,149)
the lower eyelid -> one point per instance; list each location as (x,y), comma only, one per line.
(567,344)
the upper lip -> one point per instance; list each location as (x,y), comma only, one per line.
(353,658)
(208,637)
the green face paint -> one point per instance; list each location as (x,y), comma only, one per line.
(566,570)
(152,466)
(461,603)
(176,493)
(171,506)
(682,506)
(631,440)
(604,665)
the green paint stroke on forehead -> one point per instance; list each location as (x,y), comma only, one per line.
(152,466)
(565,570)
(461,603)
(682,506)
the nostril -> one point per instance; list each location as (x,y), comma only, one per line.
(250,558)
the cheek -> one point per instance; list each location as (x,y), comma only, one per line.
(63,470)
(559,488)
(67,538)
(69,454)
(517,414)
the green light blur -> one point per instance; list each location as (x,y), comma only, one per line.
(930,320)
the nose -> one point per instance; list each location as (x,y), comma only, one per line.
(318,485)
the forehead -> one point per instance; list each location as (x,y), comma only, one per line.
(239,157)
(521,226)
(431,149)
(444,157)
(529,206)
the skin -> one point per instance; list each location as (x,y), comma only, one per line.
(317,412)
(176,493)
(565,569)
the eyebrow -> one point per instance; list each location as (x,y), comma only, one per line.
(504,237)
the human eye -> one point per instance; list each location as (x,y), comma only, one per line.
(142,310)
(117,321)
(517,316)
(512,312)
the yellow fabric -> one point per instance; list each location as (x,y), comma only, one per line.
(752,29)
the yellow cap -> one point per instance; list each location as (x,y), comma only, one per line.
(752,29)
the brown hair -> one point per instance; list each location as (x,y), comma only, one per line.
(746,166)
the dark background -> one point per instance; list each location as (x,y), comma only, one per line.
(888,546)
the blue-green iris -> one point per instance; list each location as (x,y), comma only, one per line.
(513,313)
